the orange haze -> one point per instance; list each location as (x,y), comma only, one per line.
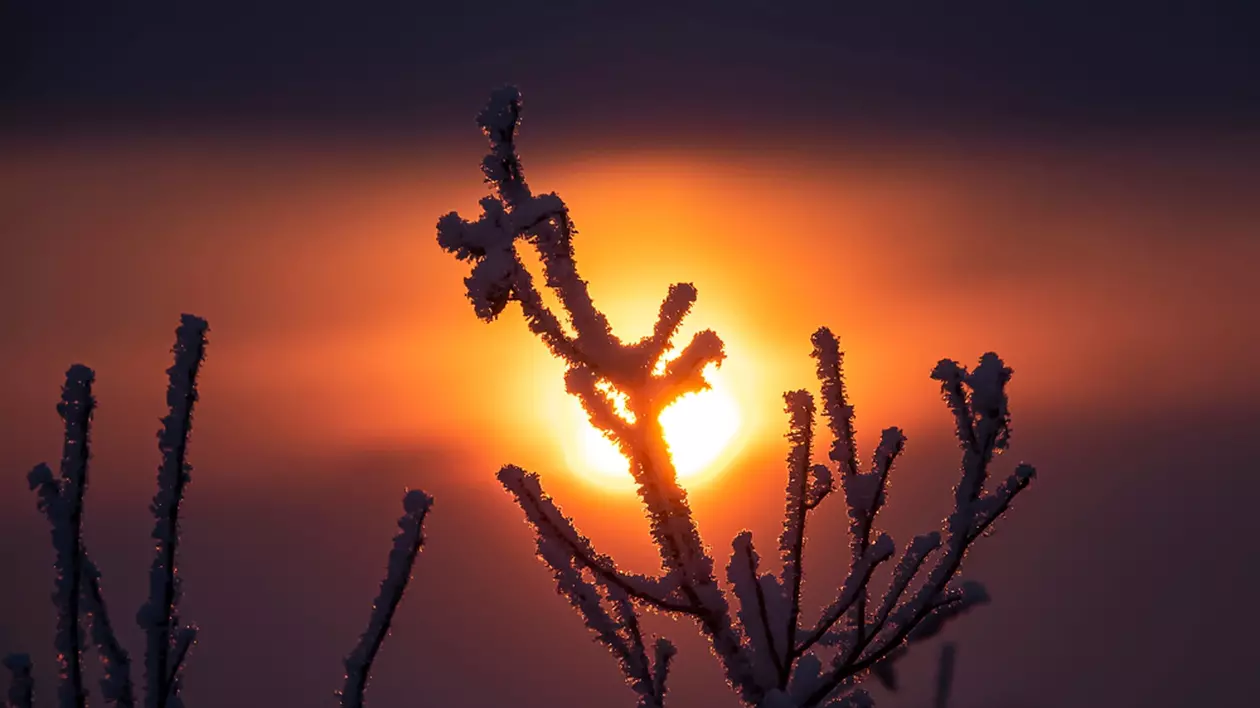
(1118,283)
(336,318)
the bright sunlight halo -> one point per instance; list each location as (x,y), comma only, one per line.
(699,429)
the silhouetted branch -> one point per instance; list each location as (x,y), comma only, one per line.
(553,527)
(61,500)
(854,584)
(755,611)
(402,559)
(673,310)
(159,617)
(767,656)
(116,686)
(799,406)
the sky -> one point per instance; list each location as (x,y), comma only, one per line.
(1070,186)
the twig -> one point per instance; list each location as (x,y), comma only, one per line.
(159,615)
(402,558)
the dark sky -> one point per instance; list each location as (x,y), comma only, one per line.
(1073,67)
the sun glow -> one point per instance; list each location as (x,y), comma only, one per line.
(700,429)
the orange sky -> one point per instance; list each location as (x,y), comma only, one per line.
(344,364)
(1100,278)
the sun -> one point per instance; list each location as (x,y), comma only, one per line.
(700,429)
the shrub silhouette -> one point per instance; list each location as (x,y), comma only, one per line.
(78,596)
(771,656)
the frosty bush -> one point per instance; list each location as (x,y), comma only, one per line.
(771,654)
(78,592)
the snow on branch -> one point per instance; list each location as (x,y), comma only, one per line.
(769,658)
(402,559)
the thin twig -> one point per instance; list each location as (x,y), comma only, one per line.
(402,558)
(159,616)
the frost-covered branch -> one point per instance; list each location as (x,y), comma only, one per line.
(864,492)
(760,604)
(851,590)
(685,373)
(676,305)
(61,500)
(565,543)
(79,597)
(402,558)
(601,593)
(770,659)
(116,686)
(596,357)
(21,693)
(800,409)
(582,382)
(159,617)
(978,402)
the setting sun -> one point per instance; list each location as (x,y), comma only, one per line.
(700,430)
